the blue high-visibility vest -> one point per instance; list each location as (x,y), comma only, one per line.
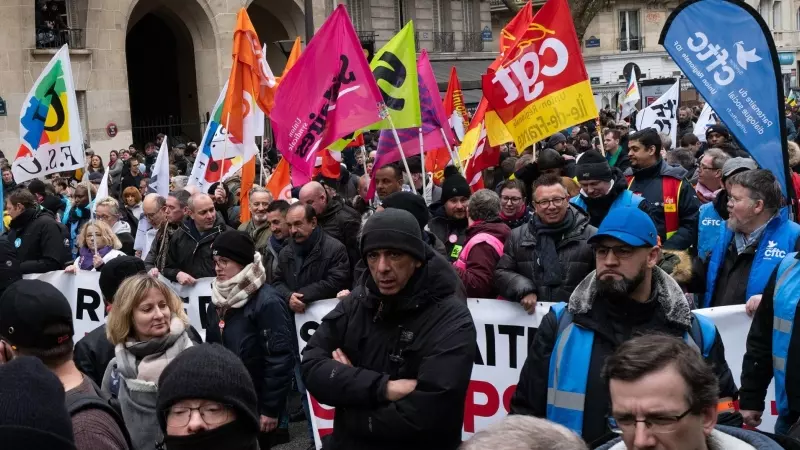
(569,365)
(785,299)
(625,198)
(778,240)
(709,228)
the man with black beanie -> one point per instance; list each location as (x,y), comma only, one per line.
(407,306)
(602,188)
(214,381)
(94,352)
(449,222)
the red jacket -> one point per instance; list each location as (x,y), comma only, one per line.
(478,277)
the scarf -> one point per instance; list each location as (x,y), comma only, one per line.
(277,244)
(751,240)
(612,159)
(231,436)
(705,194)
(234,293)
(303,249)
(550,274)
(78,213)
(87,256)
(146,360)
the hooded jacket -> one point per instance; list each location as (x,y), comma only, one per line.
(190,253)
(478,275)
(343,223)
(648,184)
(598,207)
(42,244)
(428,328)
(515,272)
(320,274)
(613,322)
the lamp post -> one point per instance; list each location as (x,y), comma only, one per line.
(285,46)
(308,6)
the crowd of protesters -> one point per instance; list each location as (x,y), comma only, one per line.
(624,232)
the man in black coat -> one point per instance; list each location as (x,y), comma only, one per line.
(257,327)
(627,296)
(42,243)
(313,266)
(395,356)
(546,258)
(189,255)
(449,222)
(339,220)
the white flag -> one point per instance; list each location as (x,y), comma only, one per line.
(102,191)
(662,115)
(707,118)
(159,179)
(630,99)
(51,139)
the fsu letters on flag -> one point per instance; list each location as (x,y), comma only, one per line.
(541,85)
(327,95)
(727,52)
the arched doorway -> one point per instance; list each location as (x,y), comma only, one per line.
(276,21)
(161,80)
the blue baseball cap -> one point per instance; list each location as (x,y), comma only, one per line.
(630,225)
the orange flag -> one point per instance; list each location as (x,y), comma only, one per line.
(454,106)
(280,184)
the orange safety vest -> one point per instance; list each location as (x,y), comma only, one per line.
(670,192)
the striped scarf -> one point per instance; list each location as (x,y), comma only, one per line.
(234,293)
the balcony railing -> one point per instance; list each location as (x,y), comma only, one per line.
(444,41)
(54,38)
(473,42)
(631,44)
(366,37)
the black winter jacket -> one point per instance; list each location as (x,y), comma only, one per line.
(42,243)
(648,184)
(514,274)
(260,334)
(424,333)
(343,223)
(614,322)
(757,363)
(324,271)
(452,232)
(190,254)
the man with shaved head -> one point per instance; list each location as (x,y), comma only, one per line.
(189,256)
(334,217)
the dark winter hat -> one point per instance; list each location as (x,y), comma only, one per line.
(29,309)
(116,271)
(208,372)
(235,245)
(412,203)
(393,229)
(550,159)
(556,139)
(95,177)
(454,185)
(33,413)
(718,128)
(592,166)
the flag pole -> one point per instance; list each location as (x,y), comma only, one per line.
(89,194)
(400,146)
(364,161)
(600,135)
(422,160)
(225,148)
(453,156)
(261,161)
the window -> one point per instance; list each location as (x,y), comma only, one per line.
(764,8)
(777,22)
(330,5)
(402,14)
(437,15)
(80,96)
(797,21)
(468,8)
(356,10)
(630,39)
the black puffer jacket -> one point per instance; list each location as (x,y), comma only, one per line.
(613,322)
(260,334)
(437,349)
(323,273)
(453,233)
(343,223)
(42,243)
(514,275)
(191,253)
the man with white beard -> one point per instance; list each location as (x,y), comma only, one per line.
(258,225)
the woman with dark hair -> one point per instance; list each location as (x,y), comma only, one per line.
(96,164)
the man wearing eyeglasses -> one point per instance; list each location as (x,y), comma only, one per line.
(545,259)
(709,180)
(665,396)
(626,296)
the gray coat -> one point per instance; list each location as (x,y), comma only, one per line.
(137,400)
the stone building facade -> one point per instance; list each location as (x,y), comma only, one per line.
(142,67)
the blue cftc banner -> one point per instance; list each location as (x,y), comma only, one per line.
(727,52)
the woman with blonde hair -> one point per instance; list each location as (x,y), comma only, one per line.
(97,245)
(148,328)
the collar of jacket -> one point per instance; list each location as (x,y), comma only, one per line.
(335,204)
(581,221)
(190,228)
(669,296)
(24,218)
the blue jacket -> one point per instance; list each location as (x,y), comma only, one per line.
(626,198)
(709,227)
(779,238)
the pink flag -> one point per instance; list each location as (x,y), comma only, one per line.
(328,94)
(428,79)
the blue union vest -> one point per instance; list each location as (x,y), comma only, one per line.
(569,365)
(787,295)
(709,227)
(778,240)
(626,198)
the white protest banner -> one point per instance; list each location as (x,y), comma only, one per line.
(707,118)
(662,115)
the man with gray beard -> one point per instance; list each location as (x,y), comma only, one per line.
(627,296)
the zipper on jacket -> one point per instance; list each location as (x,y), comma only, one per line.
(378,314)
